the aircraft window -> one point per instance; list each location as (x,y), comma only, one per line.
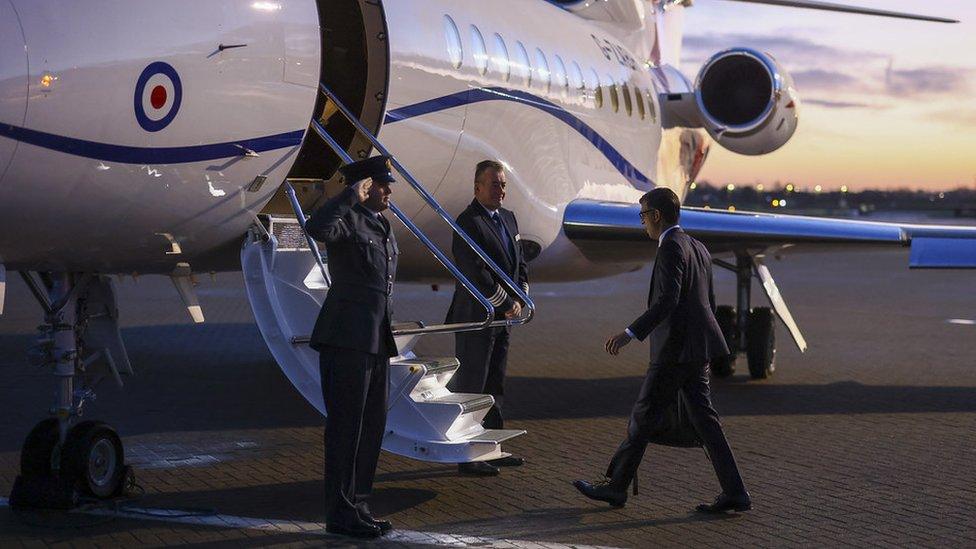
(521,65)
(576,76)
(640,103)
(478,50)
(542,69)
(500,59)
(597,90)
(614,98)
(559,71)
(651,113)
(454,49)
(625,90)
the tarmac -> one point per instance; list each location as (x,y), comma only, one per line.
(867,439)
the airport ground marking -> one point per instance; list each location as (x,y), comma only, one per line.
(315,528)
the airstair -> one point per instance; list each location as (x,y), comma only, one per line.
(287,279)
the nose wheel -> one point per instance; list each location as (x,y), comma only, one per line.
(93,459)
(63,458)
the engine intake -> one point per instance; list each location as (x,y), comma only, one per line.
(747,101)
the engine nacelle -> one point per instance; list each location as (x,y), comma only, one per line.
(747,102)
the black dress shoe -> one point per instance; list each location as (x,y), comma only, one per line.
(354,529)
(478,469)
(602,491)
(740,502)
(509,461)
(384,525)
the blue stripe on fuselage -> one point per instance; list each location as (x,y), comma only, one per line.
(475,95)
(198,153)
(150,155)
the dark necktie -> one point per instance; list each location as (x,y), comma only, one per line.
(503,233)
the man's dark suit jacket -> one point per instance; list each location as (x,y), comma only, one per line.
(680,316)
(362,256)
(477,223)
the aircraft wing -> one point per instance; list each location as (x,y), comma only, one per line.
(600,228)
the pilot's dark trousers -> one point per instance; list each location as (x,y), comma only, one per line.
(354,386)
(483,356)
(659,393)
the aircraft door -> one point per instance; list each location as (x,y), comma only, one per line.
(13,81)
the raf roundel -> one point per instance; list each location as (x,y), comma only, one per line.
(157,96)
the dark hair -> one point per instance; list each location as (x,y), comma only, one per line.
(665,201)
(486,165)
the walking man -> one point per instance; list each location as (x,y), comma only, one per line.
(354,338)
(484,354)
(684,338)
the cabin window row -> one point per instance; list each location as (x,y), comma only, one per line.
(514,65)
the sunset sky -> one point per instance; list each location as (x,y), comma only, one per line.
(886,103)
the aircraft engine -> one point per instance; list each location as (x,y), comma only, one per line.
(747,101)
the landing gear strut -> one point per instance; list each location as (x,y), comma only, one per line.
(747,330)
(63,458)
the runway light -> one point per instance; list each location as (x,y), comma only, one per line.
(941,195)
(775,203)
(730,187)
(818,188)
(693,186)
(843,188)
(47,80)
(707,207)
(731,208)
(759,187)
(790,187)
(782,203)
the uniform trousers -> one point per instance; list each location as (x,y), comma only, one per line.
(483,356)
(355,390)
(658,394)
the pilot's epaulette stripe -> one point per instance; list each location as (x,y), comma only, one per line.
(499,297)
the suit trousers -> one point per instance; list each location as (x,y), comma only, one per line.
(355,389)
(483,356)
(660,392)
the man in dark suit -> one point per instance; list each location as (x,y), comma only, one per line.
(354,338)
(684,338)
(483,354)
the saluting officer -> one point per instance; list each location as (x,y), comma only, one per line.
(484,354)
(354,338)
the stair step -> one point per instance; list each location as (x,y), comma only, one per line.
(470,402)
(495,436)
(433,365)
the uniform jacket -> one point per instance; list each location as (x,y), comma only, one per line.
(477,223)
(680,316)
(362,255)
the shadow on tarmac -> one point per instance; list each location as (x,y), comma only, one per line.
(548,398)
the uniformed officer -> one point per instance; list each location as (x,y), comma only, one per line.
(354,338)
(484,354)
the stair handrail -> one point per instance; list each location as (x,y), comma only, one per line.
(434,205)
(441,257)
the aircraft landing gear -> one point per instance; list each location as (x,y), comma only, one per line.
(747,330)
(61,457)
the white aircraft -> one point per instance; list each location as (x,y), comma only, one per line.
(166,137)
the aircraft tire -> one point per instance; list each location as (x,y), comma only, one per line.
(761,342)
(726,317)
(93,459)
(35,455)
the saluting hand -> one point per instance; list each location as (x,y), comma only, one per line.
(617,342)
(361,188)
